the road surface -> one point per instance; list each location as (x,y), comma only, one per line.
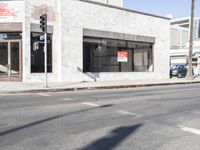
(151,118)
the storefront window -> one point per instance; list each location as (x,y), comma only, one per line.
(37,53)
(108,55)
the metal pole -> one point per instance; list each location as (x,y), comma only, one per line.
(45,59)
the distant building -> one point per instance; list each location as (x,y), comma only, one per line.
(179,42)
(185,22)
(88,40)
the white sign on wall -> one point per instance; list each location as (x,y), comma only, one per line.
(12,11)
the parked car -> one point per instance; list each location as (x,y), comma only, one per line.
(178,71)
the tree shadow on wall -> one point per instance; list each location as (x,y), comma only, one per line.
(111,141)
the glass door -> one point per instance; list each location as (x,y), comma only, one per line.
(10,60)
(3,60)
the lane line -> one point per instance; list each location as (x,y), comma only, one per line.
(45,95)
(191,130)
(91,104)
(15,94)
(126,112)
(67,99)
(123,112)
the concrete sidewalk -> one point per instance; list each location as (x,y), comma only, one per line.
(11,88)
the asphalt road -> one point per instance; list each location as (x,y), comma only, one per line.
(153,118)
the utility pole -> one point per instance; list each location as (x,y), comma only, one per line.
(43,26)
(189,72)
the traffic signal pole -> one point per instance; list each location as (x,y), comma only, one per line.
(43,26)
(45,59)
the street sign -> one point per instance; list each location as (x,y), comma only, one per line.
(42,37)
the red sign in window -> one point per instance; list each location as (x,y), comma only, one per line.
(6,12)
(122,56)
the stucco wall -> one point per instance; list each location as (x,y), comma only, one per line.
(11,11)
(77,15)
(34,9)
(68,18)
(110,2)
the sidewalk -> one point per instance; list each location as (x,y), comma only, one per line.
(13,87)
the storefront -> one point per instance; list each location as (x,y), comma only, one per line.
(101,54)
(11,52)
(11,29)
(87,41)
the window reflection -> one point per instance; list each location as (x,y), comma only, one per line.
(108,55)
(37,53)
(10,36)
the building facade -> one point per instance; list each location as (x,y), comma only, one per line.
(179,42)
(111,2)
(87,41)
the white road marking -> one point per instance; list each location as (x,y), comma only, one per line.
(15,94)
(43,94)
(67,99)
(91,104)
(191,130)
(126,112)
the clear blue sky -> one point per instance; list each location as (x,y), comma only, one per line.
(179,8)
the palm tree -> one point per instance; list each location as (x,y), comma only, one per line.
(189,72)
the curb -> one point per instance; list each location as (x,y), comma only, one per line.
(49,90)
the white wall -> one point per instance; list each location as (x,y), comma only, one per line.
(34,9)
(77,15)
(111,2)
(70,17)
(14,11)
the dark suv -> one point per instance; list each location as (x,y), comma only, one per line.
(178,71)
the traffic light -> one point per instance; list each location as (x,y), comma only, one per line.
(43,23)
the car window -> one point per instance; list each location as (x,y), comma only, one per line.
(179,67)
(183,67)
(174,67)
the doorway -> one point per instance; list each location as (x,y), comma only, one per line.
(10,60)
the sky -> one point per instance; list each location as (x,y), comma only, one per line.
(178,8)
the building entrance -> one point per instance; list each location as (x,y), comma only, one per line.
(10,60)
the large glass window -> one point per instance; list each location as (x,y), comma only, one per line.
(108,55)
(37,53)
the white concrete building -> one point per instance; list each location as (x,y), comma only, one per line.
(179,42)
(87,41)
(111,2)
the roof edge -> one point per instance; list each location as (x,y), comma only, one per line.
(126,9)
